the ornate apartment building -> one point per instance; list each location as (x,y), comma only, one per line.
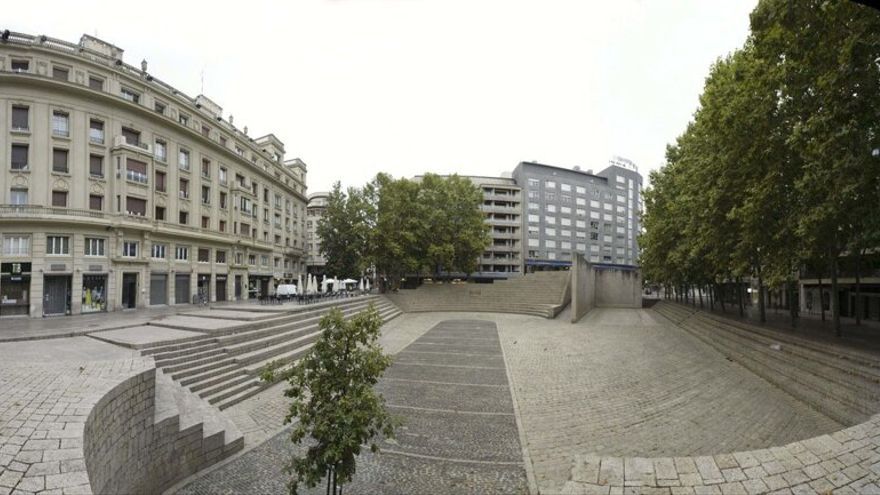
(119,191)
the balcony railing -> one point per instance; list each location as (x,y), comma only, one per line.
(135,176)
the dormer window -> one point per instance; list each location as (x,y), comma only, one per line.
(130,95)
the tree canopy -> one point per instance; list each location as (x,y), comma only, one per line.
(778,169)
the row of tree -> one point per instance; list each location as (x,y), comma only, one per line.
(779,171)
(401,227)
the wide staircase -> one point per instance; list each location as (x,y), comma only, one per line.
(224,368)
(841,382)
(540,294)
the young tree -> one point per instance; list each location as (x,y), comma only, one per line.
(337,409)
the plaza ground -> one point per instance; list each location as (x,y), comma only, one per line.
(618,388)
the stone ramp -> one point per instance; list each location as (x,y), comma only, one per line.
(459,435)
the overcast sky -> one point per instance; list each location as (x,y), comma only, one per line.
(354,87)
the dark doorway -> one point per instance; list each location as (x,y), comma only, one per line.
(221,288)
(181,289)
(238,287)
(158,288)
(56,294)
(203,289)
(129,290)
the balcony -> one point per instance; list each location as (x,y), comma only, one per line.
(138,177)
(183,194)
(121,142)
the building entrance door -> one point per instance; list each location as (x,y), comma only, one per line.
(129,290)
(221,288)
(56,294)
(238,287)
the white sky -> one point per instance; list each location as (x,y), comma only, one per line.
(354,87)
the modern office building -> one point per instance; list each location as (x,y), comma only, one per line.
(119,191)
(315,262)
(574,210)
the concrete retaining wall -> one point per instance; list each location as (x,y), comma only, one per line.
(602,286)
(583,288)
(127,451)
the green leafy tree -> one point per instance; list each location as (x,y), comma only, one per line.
(344,230)
(334,402)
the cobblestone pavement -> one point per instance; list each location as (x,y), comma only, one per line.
(459,433)
(47,390)
(627,382)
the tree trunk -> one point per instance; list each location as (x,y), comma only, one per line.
(859,287)
(739,291)
(792,307)
(700,288)
(821,298)
(835,300)
(334,482)
(721,297)
(711,289)
(762,310)
(329,475)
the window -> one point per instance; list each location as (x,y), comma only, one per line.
(60,73)
(183,159)
(223,200)
(16,245)
(94,246)
(581,201)
(181,253)
(221,257)
(581,189)
(96,131)
(550,244)
(551,196)
(129,249)
(206,168)
(264,260)
(57,245)
(204,255)
(136,206)
(534,183)
(19,157)
(130,95)
(594,214)
(252,259)
(206,222)
(565,221)
(59,198)
(60,124)
(206,195)
(183,218)
(549,184)
(183,119)
(96,202)
(18,196)
(132,136)
(158,251)
(565,245)
(206,131)
(534,243)
(20,118)
(136,171)
(550,232)
(96,83)
(184,189)
(160,181)
(59,160)
(551,208)
(221,175)
(159,107)
(160,150)
(222,226)
(160,213)
(20,65)
(533,218)
(565,187)
(550,220)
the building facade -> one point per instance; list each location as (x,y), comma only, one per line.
(317,204)
(573,210)
(502,207)
(118,191)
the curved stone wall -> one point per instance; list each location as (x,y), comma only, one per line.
(127,451)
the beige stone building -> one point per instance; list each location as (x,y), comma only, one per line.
(118,191)
(317,204)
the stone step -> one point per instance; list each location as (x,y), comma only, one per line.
(256,387)
(203,344)
(816,393)
(234,390)
(827,358)
(211,379)
(196,370)
(226,384)
(212,373)
(197,354)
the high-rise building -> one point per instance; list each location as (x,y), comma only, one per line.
(314,211)
(119,191)
(569,210)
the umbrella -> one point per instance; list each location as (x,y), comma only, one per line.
(349,281)
(361,285)
(368,285)
(299,283)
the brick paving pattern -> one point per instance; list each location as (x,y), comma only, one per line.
(459,433)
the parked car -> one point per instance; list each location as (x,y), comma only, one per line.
(285,291)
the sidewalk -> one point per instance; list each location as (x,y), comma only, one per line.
(26,328)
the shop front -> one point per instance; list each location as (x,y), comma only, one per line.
(158,288)
(94,293)
(15,288)
(258,285)
(203,285)
(181,288)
